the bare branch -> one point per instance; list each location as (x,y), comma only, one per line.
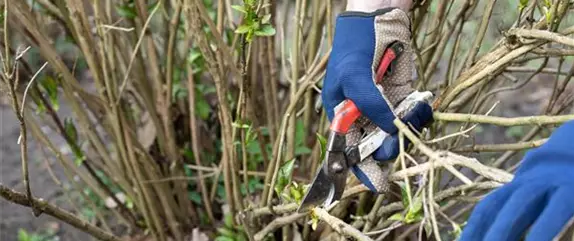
(503,121)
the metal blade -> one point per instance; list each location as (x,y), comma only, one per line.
(372,142)
(321,191)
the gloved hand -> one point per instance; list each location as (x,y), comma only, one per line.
(540,197)
(359,43)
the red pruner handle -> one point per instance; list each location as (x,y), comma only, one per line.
(346,114)
(393,51)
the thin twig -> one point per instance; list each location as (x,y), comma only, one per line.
(28,87)
(135,52)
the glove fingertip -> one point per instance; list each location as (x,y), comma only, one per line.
(421,115)
(388,150)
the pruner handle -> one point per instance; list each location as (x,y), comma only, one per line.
(346,113)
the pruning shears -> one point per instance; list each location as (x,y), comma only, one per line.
(329,182)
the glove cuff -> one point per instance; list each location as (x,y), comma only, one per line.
(387,25)
(366,14)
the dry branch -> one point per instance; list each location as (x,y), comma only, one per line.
(451,159)
(340,226)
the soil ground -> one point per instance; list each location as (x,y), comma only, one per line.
(14,217)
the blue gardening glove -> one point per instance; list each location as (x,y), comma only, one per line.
(359,43)
(538,202)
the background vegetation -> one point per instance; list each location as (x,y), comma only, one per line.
(201,119)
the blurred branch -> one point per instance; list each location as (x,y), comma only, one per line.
(501,147)
(503,121)
(528,69)
(544,35)
(56,212)
(278,223)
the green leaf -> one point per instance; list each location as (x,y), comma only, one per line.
(250,136)
(323,145)
(523,4)
(238,124)
(417,205)
(188,153)
(265,30)
(253,148)
(548,15)
(413,217)
(284,178)
(202,108)
(415,211)
(127,11)
(23,235)
(228,220)
(224,238)
(456,231)
(300,133)
(178,92)
(50,86)
(40,107)
(397,217)
(265,19)
(314,223)
(226,233)
(221,192)
(301,150)
(70,129)
(243,29)
(194,197)
(239,8)
(79,159)
(255,184)
(297,191)
(194,55)
(404,196)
